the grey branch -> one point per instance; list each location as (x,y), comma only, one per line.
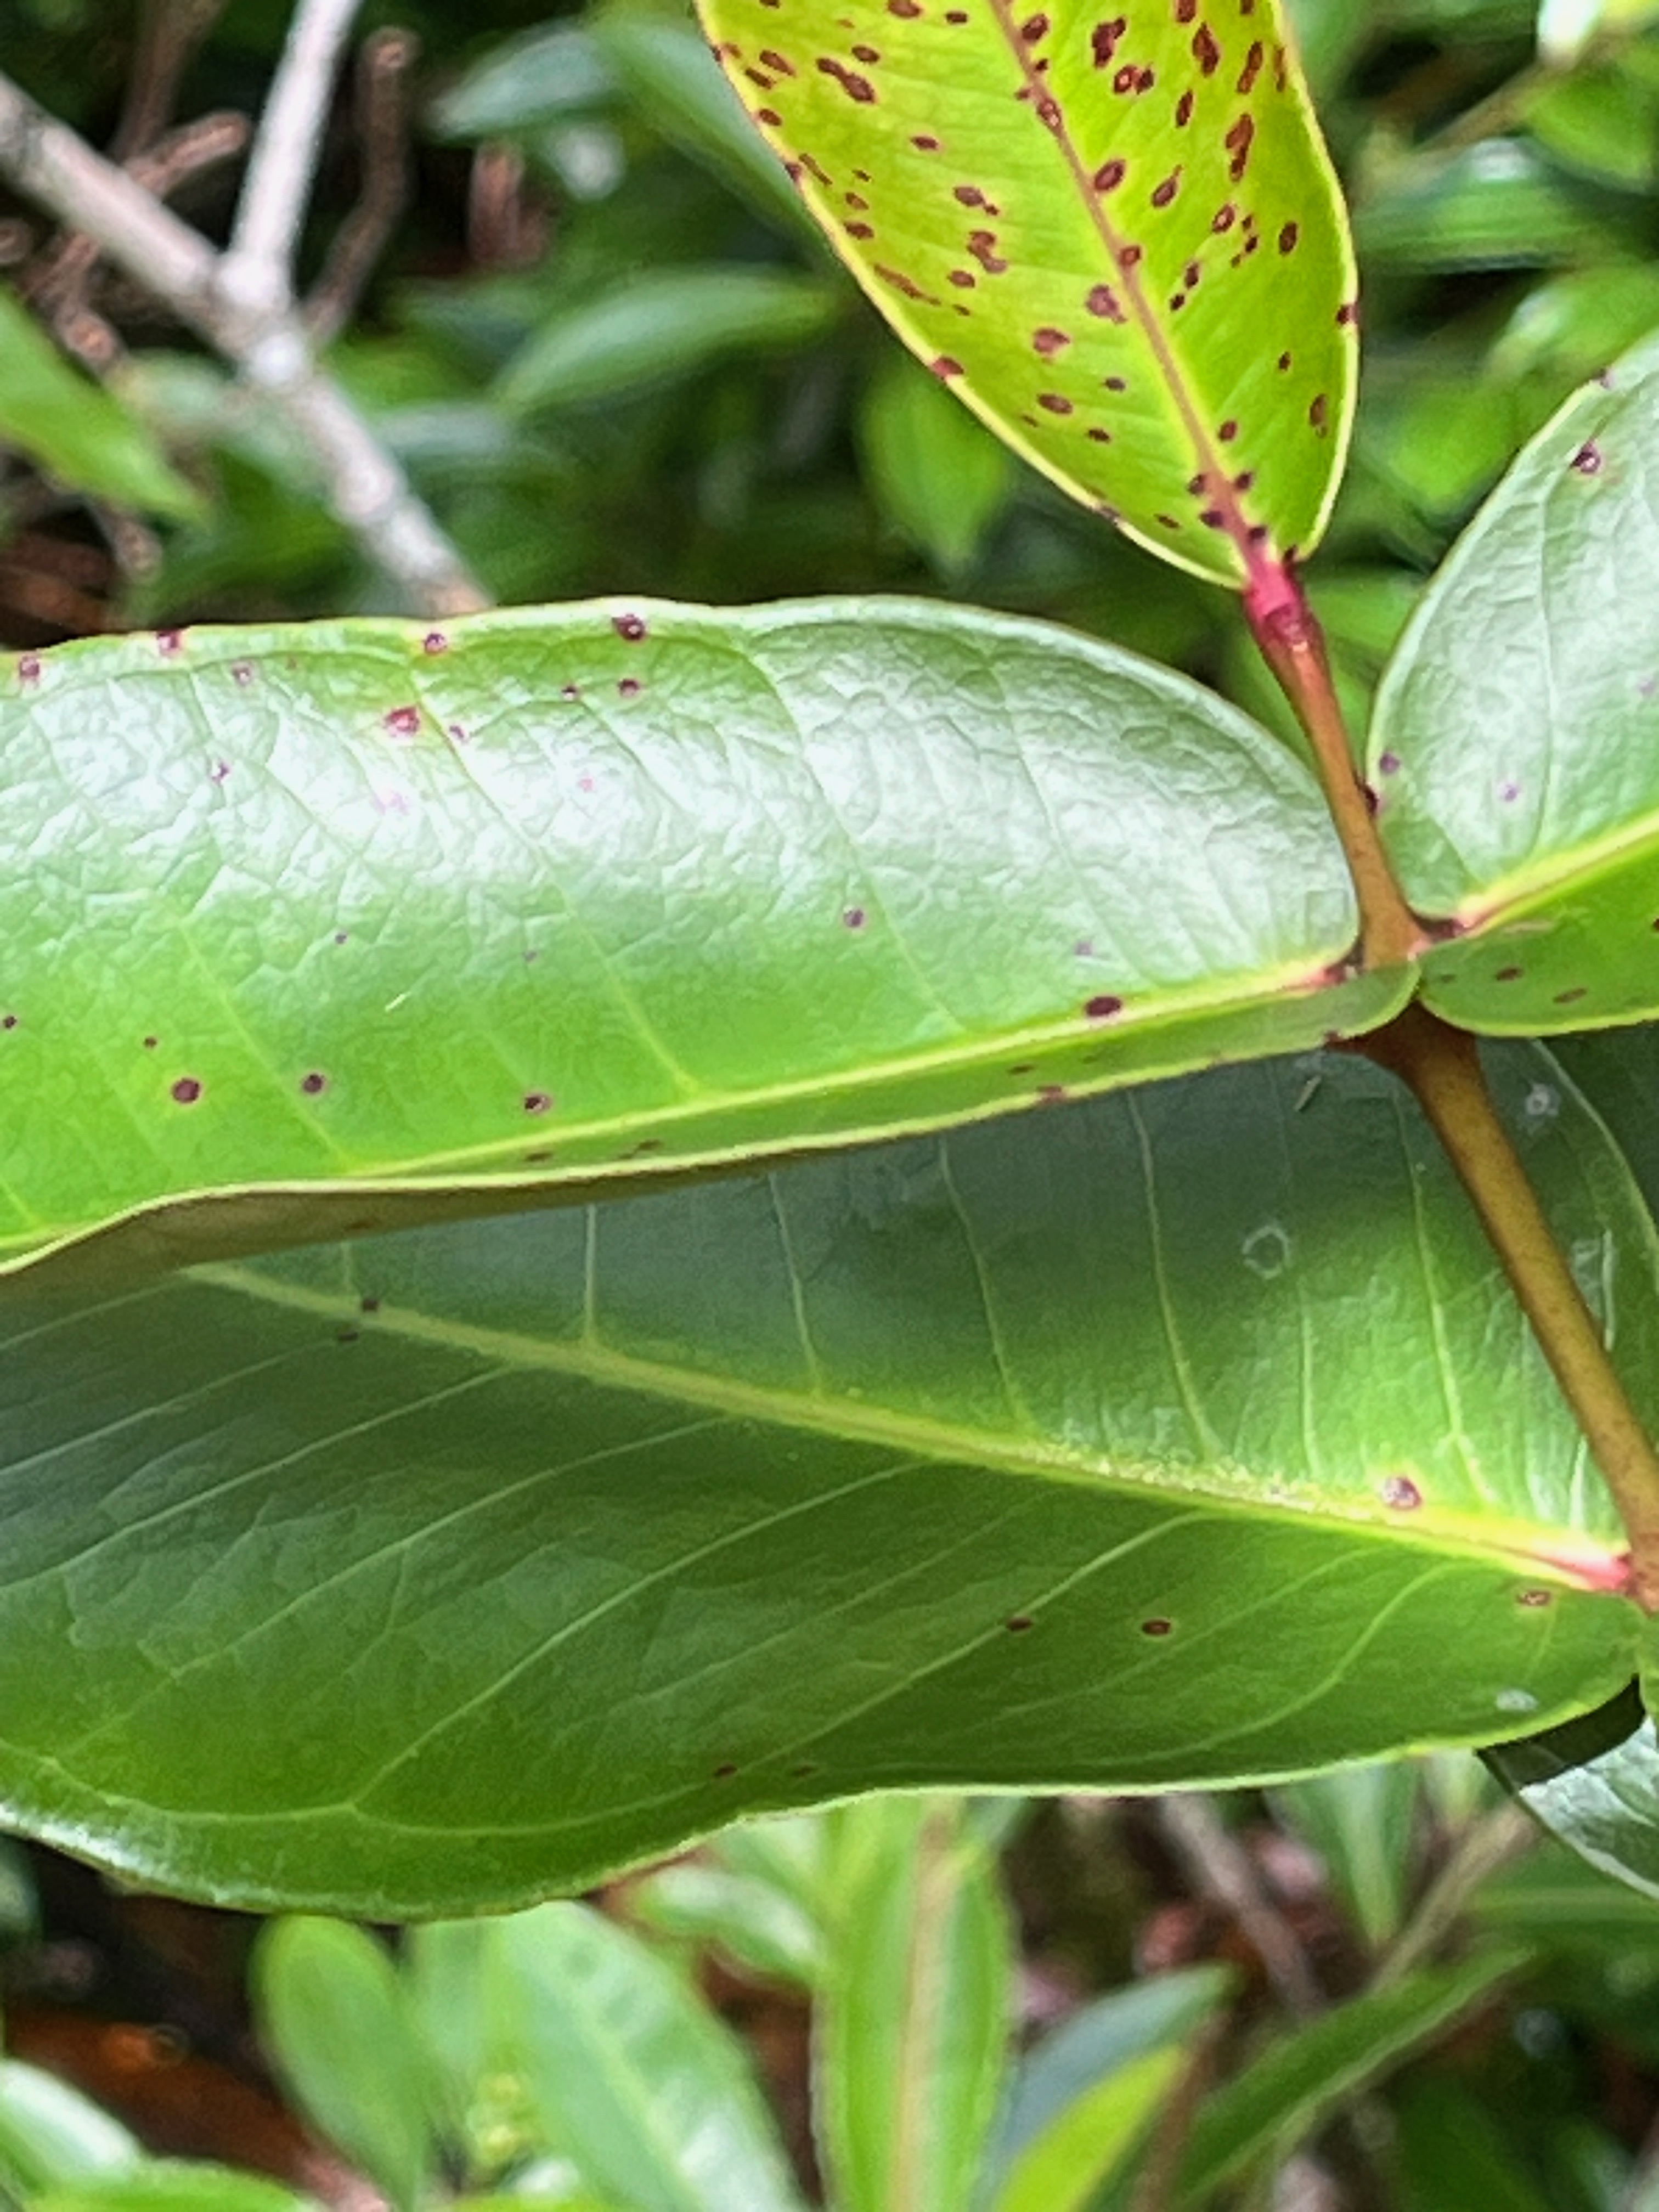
(257,270)
(366,487)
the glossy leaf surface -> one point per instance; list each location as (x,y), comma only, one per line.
(1594,1782)
(431,1573)
(1071,215)
(1515,741)
(572,899)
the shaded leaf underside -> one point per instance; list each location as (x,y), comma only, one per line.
(1516,740)
(1072,213)
(547,902)
(434,1572)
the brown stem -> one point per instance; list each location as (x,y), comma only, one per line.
(1441,1065)
(1293,647)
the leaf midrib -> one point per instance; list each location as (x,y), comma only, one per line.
(1434,1530)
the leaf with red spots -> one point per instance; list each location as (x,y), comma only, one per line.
(431,1573)
(640,836)
(1115,231)
(1515,747)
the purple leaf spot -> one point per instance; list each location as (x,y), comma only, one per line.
(538,1102)
(1104,1008)
(630,627)
(28,668)
(402,721)
(187,1090)
(1400,1493)
(169,642)
(1587,460)
(853,918)
(434,642)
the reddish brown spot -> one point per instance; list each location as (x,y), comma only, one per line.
(775,60)
(1110,175)
(168,642)
(1051,1094)
(1157,1627)
(900,283)
(969,195)
(1288,236)
(867,54)
(1587,460)
(630,627)
(1114,383)
(924,143)
(537,1101)
(982,245)
(187,1090)
(1129,257)
(856,88)
(964,280)
(1104,1008)
(1238,142)
(858,230)
(1055,402)
(1347,315)
(1101,437)
(1571,998)
(1049,341)
(402,721)
(1228,432)
(28,668)
(1319,410)
(1034,28)
(1183,114)
(1164,192)
(769,117)
(1185,10)
(1104,302)
(1018,1623)
(1252,68)
(1223,218)
(313,1082)
(1103,40)
(629,687)
(1400,1492)
(907,10)
(1284,363)
(853,918)
(944,365)
(1206,52)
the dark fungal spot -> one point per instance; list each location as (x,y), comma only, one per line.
(1587,460)
(1388,764)
(1110,175)
(1572,998)
(1103,40)
(775,60)
(1100,437)
(1017,1623)
(402,721)
(632,628)
(347,1335)
(963,279)
(968,195)
(1252,68)
(1183,114)
(1034,28)
(1163,193)
(628,687)
(853,917)
(28,668)
(537,1158)
(1048,341)
(860,230)
(1238,142)
(1319,408)
(169,642)
(241,673)
(725,1770)
(1228,432)
(1206,52)
(1167,521)
(1347,315)
(856,88)
(570,691)
(368,1305)
(1400,1493)
(867,54)
(1535,1599)
(537,1101)
(187,1090)
(1054,403)
(9,1022)
(1223,218)
(1284,363)
(1103,301)
(1114,383)
(1104,1008)
(1051,1094)
(1157,1626)
(906,10)
(945,365)
(982,245)
(313,1082)
(1288,234)
(769,116)
(1509,975)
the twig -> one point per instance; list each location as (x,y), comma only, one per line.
(169,32)
(383,70)
(365,486)
(1222,1869)
(1501,1836)
(257,270)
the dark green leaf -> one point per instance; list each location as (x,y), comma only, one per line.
(571,899)
(936,471)
(1594,1782)
(1515,741)
(173,2185)
(1076,240)
(526,82)
(1360,1822)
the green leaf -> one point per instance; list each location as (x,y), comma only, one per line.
(1184,1438)
(659,326)
(1498,205)
(1084,2098)
(331,2010)
(1452,2155)
(1516,740)
(523,83)
(52,2136)
(1304,2074)
(914,2013)
(750,1893)
(173,2185)
(1360,1822)
(636,2079)
(1594,1782)
(444,1997)
(1118,239)
(937,474)
(76,429)
(692,886)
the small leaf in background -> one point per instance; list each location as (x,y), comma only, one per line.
(1594,1782)
(916,2014)
(52,2136)
(758,1892)
(445,2000)
(1514,743)
(1360,1821)
(635,2080)
(332,2011)
(1083,2100)
(657,328)
(174,2185)
(77,430)
(1306,2072)
(1077,239)
(543,75)
(936,472)
(1566,28)
(1453,2157)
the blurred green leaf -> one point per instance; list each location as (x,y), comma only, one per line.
(52,2136)
(1082,2100)
(751,1921)
(333,2014)
(173,2185)
(1360,1822)
(78,431)
(525,83)
(936,472)
(634,2077)
(1454,2156)
(1555,1900)
(1602,122)
(915,2010)
(657,327)
(1496,205)
(1305,2072)
(1571,325)
(1567,27)
(444,1994)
